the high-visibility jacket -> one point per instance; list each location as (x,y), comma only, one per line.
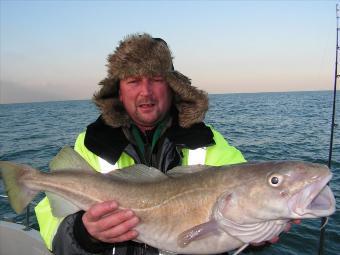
(219,153)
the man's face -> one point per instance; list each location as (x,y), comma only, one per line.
(146,99)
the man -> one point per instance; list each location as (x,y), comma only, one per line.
(150,114)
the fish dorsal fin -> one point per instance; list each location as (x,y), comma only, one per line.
(138,174)
(68,158)
(179,171)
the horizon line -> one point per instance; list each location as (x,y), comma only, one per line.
(215,93)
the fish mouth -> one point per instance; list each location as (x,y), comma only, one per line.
(315,200)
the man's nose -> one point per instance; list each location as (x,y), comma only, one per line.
(146,86)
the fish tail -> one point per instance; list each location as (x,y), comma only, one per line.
(15,177)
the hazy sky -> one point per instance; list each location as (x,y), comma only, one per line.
(56,50)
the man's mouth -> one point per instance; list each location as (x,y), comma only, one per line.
(146,105)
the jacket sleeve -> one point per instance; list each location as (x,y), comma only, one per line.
(73,239)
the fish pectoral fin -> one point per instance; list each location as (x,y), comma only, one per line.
(60,206)
(197,232)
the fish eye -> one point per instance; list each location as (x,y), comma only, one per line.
(275,180)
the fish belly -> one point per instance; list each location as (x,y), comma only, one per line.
(213,243)
(162,224)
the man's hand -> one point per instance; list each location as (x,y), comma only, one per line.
(106,223)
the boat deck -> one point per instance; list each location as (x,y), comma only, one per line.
(15,240)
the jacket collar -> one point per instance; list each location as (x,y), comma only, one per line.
(109,143)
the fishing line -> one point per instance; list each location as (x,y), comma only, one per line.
(325,219)
(324,225)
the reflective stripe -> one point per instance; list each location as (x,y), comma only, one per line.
(47,223)
(197,156)
(105,166)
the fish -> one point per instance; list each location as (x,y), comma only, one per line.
(190,210)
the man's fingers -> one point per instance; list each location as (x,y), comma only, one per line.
(296,221)
(121,231)
(115,218)
(99,210)
(130,235)
(107,223)
(274,240)
(287,227)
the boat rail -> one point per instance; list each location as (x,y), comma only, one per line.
(26,222)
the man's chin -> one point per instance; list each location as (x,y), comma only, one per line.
(146,124)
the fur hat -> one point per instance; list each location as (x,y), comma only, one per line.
(139,55)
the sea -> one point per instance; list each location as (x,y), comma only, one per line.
(264,126)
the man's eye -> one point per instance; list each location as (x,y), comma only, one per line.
(131,81)
(158,79)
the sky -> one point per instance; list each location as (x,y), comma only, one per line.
(57,50)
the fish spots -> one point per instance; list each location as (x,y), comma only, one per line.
(284,193)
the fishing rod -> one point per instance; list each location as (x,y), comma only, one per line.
(336,76)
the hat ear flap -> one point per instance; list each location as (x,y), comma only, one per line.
(110,88)
(191,103)
(107,100)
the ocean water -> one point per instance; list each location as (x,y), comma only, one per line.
(264,126)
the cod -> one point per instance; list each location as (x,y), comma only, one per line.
(191,209)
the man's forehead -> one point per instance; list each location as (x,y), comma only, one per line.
(144,76)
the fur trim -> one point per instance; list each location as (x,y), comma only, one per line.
(139,55)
